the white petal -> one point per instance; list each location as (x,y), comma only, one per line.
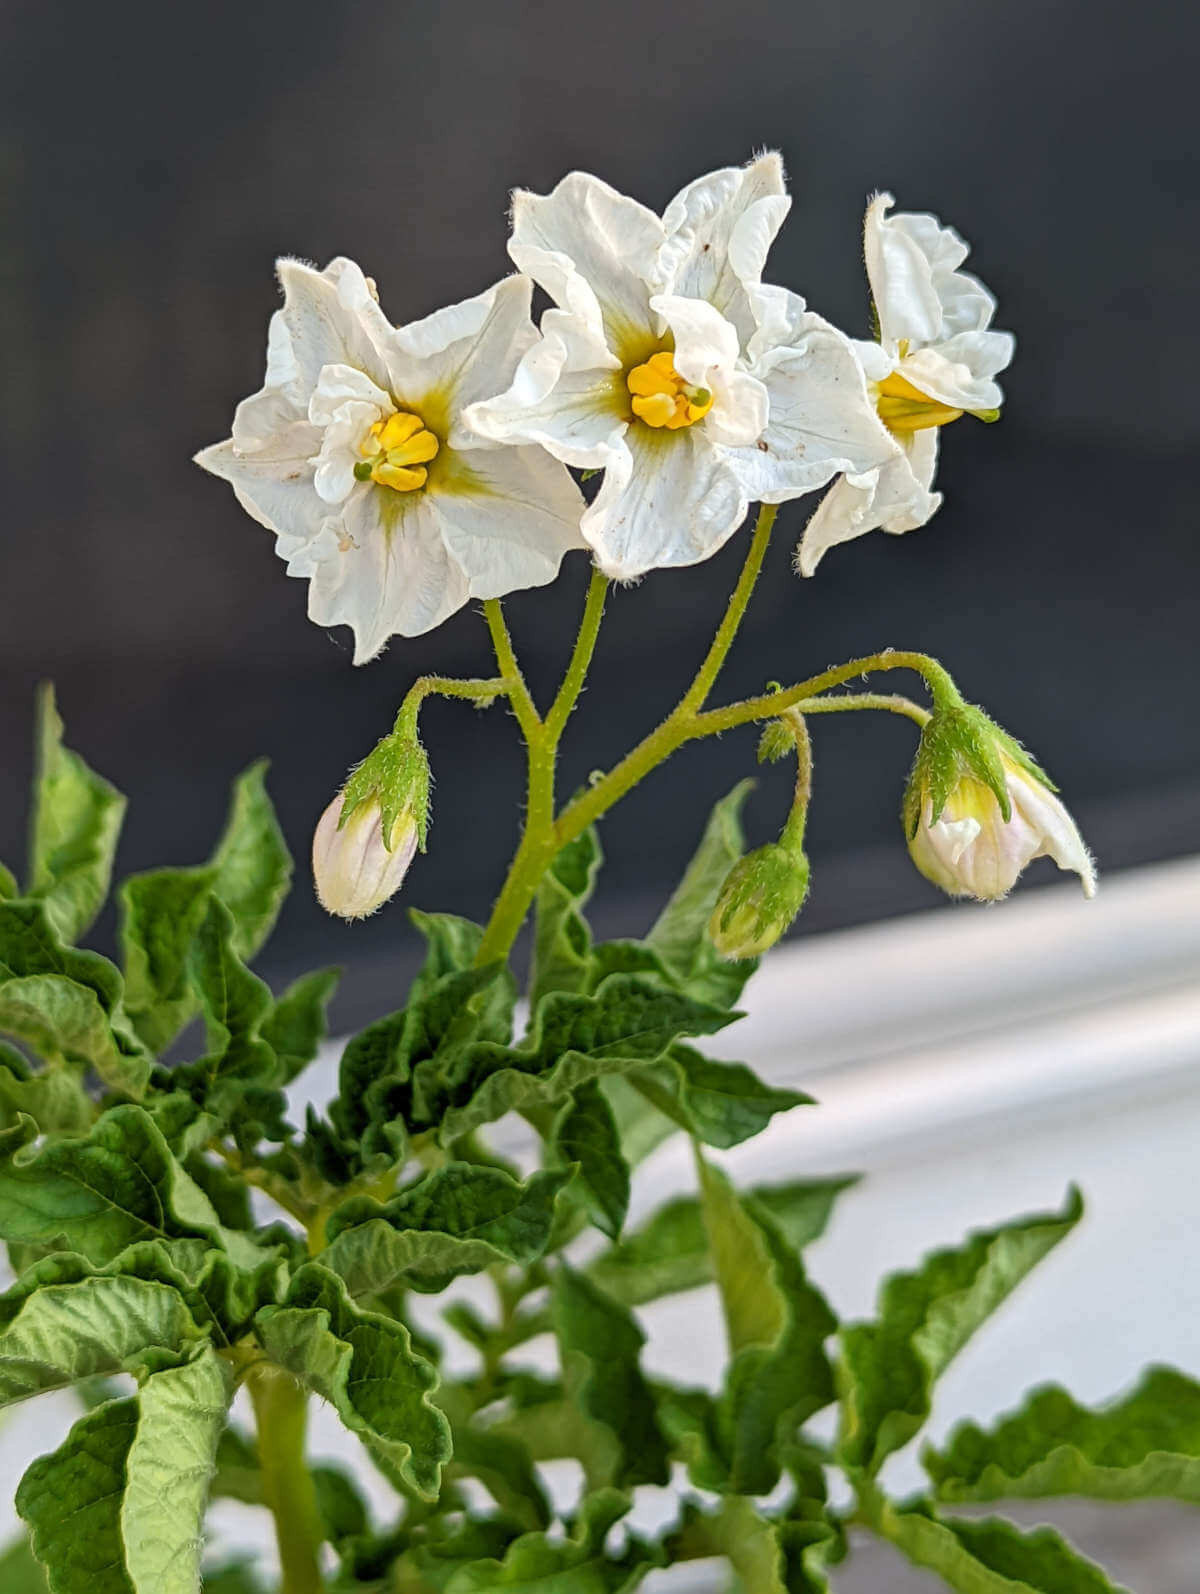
(668,498)
(323,316)
(951,381)
(339,384)
(593,250)
(821,421)
(340,453)
(1047,818)
(274,484)
(895,498)
(719,231)
(559,399)
(464,352)
(392,575)
(706,351)
(511,520)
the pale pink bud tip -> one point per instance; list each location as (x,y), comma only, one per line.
(354,872)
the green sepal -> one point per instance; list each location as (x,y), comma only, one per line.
(1143,1446)
(889,1366)
(395,773)
(599,1346)
(365,1366)
(76,825)
(459,1219)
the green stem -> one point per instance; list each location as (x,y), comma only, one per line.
(479,690)
(797,819)
(524,707)
(280,1414)
(771,704)
(890,702)
(694,698)
(581,657)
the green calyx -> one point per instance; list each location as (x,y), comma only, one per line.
(396,775)
(762,894)
(961,742)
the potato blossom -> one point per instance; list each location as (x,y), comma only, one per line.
(936,359)
(668,366)
(355,454)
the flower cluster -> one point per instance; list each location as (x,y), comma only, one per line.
(405,471)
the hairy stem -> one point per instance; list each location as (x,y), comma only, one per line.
(581,657)
(696,694)
(524,707)
(280,1415)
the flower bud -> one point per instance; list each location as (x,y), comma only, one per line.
(354,868)
(762,894)
(978,809)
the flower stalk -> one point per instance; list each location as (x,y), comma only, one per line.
(281,1418)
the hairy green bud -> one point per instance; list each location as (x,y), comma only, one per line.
(762,894)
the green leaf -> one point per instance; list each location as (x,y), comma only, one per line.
(295,1027)
(161,913)
(599,1344)
(62,1333)
(1144,1446)
(504,1466)
(232,1577)
(98,1195)
(628,1022)
(585,1133)
(769,1556)
(680,934)
(562,942)
(777,1323)
(19,1570)
(991,1556)
(452,946)
(670,1252)
(925,1319)
(721,1104)
(119,1507)
(66,1004)
(364,1365)
(53,1097)
(8,883)
(252,863)
(459,1219)
(538,1563)
(76,823)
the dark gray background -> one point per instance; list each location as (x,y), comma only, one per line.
(155,160)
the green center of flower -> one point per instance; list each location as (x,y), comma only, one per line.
(396,451)
(662,398)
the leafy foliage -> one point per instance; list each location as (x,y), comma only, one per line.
(126,1186)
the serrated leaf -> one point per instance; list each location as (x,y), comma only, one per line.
(628,1022)
(721,1104)
(364,1365)
(98,1195)
(295,1026)
(585,1133)
(777,1323)
(925,1318)
(118,1508)
(680,934)
(599,1345)
(252,863)
(76,824)
(1144,1446)
(161,913)
(63,1333)
(991,1556)
(562,942)
(670,1252)
(459,1219)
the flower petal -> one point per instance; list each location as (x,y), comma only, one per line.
(341,384)
(339,454)
(895,498)
(593,250)
(327,322)
(668,498)
(274,484)
(510,528)
(392,573)
(821,421)
(706,352)
(559,398)
(464,352)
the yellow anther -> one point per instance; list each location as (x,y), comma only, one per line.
(661,397)
(904,408)
(398,450)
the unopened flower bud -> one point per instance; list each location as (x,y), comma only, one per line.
(978,810)
(354,868)
(762,894)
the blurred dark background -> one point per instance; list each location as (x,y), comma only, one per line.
(154,161)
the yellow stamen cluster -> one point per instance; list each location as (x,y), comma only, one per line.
(904,408)
(662,398)
(396,451)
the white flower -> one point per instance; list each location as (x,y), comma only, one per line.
(668,366)
(935,360)
(355,455)
(970,850)
(354,869)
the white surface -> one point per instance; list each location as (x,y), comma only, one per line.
(973,1063)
